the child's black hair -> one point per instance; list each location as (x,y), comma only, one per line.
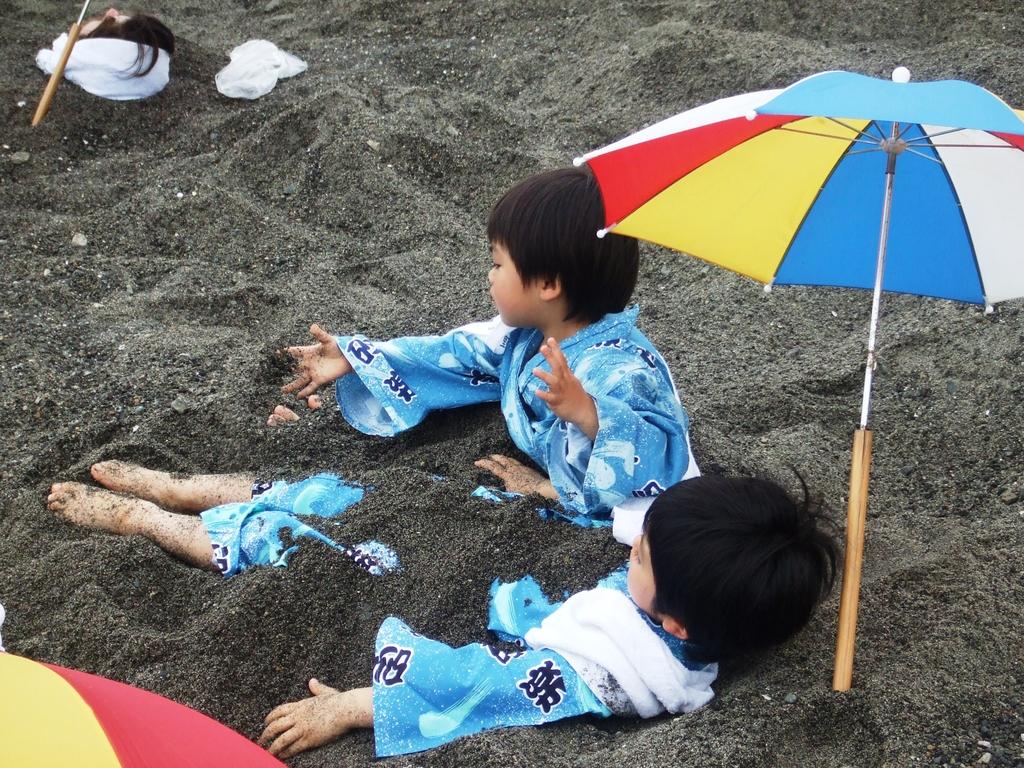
(143,29)
(738,562)
(549,225)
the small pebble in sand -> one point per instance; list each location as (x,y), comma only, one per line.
(22,103)
(984,744)
(790,698)
(374,145)
(179,195)
(986,758)
(47,272)
(79,240)
(179,404)
(20,157)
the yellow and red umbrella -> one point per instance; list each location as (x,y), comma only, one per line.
(52,717)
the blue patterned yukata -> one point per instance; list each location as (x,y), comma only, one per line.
(426,694)
(641,446)
(244,534)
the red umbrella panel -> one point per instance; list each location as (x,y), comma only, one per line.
(52,717)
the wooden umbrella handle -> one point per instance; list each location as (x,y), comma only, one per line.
(860,471)
(58,73)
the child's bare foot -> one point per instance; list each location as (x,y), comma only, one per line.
(188,493)
(150,484)
(94,508)
(184,536)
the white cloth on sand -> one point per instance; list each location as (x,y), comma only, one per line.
(602,632)
(3,615)
(105,67)
(255,68)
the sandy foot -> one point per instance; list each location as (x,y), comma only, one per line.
(150,484)
(95,508)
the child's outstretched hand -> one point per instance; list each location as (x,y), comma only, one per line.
(316,364)
(327,714)
(565,395)
(517,477)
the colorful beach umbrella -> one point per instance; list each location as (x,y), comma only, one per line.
(837,180)
(52,717)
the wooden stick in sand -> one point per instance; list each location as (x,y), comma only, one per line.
(58,71)
(860,470)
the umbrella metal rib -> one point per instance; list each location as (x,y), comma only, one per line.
(81,15)
(892,150)
(868,140)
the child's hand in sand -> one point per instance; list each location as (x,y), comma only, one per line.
(316,364)
(517,477)
(282,415)
(327,714)
(565,395)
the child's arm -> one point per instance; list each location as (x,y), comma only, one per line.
(396,383)
(565,395)
(569,402)
(630,430)
(326,715)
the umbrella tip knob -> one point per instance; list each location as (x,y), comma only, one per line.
(901,75)
(751,115)
(601,233)
(577,161)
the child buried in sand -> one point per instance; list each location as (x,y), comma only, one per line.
(117,56)
(584,393)
(225,523)
(723,566)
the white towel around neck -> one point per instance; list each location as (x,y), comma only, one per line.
(104,67)
(602,628)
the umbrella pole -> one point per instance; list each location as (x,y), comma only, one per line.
(58,71)
(856,514)
(860,459)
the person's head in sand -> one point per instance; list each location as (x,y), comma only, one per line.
(732,564)
(549,265)
(118,56)
(144,29)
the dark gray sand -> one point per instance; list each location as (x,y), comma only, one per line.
(355,196)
